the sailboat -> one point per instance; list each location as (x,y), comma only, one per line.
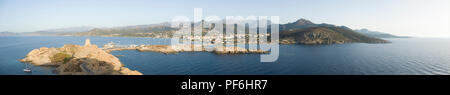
(27,68)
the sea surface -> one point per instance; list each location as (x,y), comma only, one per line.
(404,56)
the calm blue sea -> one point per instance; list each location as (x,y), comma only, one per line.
(410,56)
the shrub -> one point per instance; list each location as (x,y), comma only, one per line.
(61,57)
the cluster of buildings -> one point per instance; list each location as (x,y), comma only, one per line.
(112,45)
(238,38)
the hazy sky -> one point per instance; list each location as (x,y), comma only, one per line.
(424,18)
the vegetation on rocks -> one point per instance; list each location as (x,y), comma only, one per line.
(61,57)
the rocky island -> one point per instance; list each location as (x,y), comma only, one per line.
(78,60)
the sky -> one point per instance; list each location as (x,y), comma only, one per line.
(419,18)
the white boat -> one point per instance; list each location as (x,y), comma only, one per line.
(27,69)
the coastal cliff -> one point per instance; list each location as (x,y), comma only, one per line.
(78,60)
(306,32)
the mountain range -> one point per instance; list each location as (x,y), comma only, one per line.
(377,34)
(162,30)
(50,32)
(6,33)
(61,31)
(301,31)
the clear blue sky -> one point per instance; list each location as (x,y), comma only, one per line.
(427,18)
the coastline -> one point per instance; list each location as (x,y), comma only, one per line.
(169,49)
(91,60)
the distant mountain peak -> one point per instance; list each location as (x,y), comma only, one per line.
(365,29)
(303,21)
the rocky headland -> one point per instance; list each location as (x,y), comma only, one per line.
(308,33)
(78,60)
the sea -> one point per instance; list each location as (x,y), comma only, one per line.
(404,56)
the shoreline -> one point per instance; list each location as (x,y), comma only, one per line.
(169,49)
(91,60)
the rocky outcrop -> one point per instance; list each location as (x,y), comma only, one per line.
(305,32)
(41,56)
(157,48)
(324,35)
(69,58)
(88,66)
(313,36)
